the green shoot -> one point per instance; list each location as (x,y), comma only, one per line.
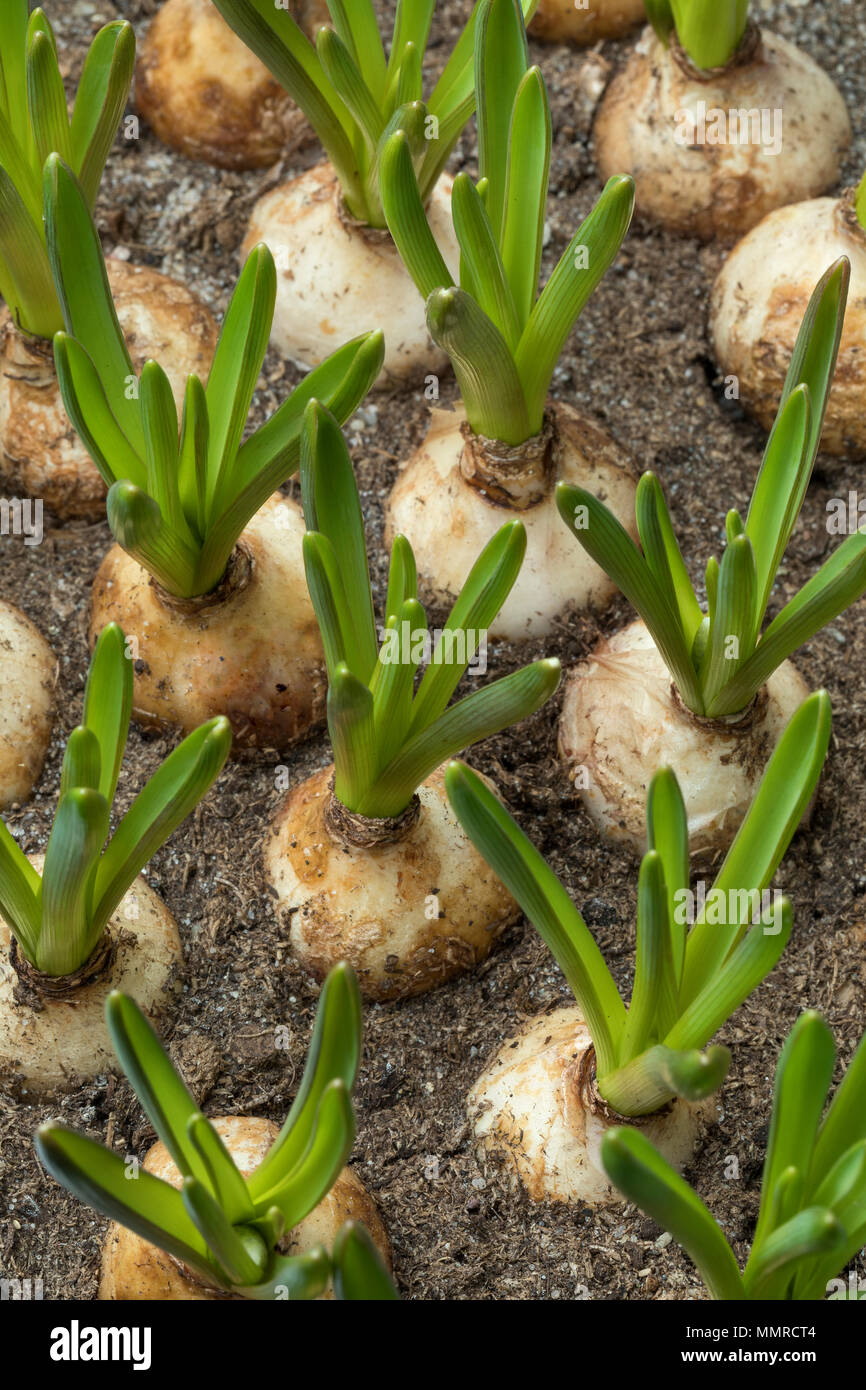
(355,95)
(689,979)
(860,202)
(34,122)
(59,919)
(503,338)
(225,1228)
(709,31)
(180,492)
(387,737)
(812,1219)
(720,658)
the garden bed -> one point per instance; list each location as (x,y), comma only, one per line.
(640,363)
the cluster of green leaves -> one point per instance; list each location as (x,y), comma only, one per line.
(720,659)
(709,31)
(224,1227)
(58,919)
(34,122)
(180,496)
(387,738)
(812,1218)
(503,339)
(688,982)
(355,97)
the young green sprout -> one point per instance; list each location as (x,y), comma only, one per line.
(34,123)
(545,1100)
(365,859)
(327,227)
(812,1219)
(226,625)
(719,121)
(504,341)
(714,686)
(216,1205)
(203,92)
(759,299)
(77,919)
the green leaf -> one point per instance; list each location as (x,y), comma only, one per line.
(90,411)
(224,1180)
(652,1078)
(68,935)
(174,790)
(229,1249)
(808,1234)
(501,63)
(315,1174)
(20,887)
(85,297)
(138,525)
(108,705)
(330,603)
(779,491)
(486,372)
(344,73)
(25,274)
(663,555)
(668,835)
(710,31)
(485,590)
(159,419)
(332,506)
(482,262)
(813,362)
(334,1055)
(644,1178)
(46,98)
(402,577)
(845,1122)
(545,902)
(100,101)
(393,681)
(803,1077)
(607,542)
(353,737)
(478,716)
(146,1205)
(591,252)
(193,452)
(732,626)
(840,581)
(407,221)
(360,1273)
(783,794)
(526,192)
(355,22)
(653,1005)
(240,352)
(748,964)
(293,1278)
(81,762)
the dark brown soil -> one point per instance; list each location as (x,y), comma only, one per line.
(640,364)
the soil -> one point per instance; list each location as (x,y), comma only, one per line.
(640,364)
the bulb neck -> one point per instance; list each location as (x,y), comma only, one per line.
(750,50)
(238,575)
(517,476)
(350,830)
(37,988)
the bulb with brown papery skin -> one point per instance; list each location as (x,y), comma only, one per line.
(408,913)
(621,721)
(760,297)
(691,182)
(206,95)
(448,519)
